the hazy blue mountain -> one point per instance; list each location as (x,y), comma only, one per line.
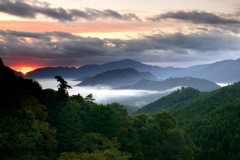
(117,78)
(226,71)
(81,79)
(220,72)
(197,83)
(93,69)
(51,72)
(90,70)
(177,72)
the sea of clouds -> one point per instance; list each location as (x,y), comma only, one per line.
(105,94)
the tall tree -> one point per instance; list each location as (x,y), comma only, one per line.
(63,85)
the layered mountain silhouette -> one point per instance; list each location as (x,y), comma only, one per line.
(81,79)
(220,72)
(226,71)
(90,70)
(118,77)
(93,69)
(197,83)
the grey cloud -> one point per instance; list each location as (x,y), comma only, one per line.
(56,13)
(73,49)
(203,29)
(18,8)
(25,10)
(179,43)
(197,17)
(37,35)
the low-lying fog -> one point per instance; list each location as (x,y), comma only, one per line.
(104,94)
(223,84)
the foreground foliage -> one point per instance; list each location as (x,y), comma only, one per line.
(47,124)
(213,122)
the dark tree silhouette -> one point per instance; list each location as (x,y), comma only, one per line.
(1,63)
(63,85)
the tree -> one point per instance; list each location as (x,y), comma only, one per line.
(165,120)
(101,119)
(69,129)
(62,97)
(150,138)
(63,85)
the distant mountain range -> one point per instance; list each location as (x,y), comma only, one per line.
(197,83)
(227,71)
(90,70)
(118,77)
(93,69)
(220,72)
(81,79)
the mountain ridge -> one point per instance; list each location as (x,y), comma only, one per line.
(197,83)
(173,101)
(93,69)
(117,77)
(220,72)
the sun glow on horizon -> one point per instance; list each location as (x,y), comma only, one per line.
(25,70)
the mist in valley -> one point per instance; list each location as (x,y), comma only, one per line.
(105,94)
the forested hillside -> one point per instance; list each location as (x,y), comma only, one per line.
(47,124)
(172,102)
(212,121)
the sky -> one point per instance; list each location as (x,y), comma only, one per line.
(42,33)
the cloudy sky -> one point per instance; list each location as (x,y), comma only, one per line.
(40,33)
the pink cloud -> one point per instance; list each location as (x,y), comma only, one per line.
(79,27)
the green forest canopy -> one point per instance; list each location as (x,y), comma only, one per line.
(47,124)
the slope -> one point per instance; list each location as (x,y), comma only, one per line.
(93,69)
(117,78)
(90,70)
(171,102)
(213,122)
(197,83)
(222,72)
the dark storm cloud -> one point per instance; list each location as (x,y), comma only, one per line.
(92,14)
(25,10)
(71,49)
(17,8)
(196,17)
(180,43)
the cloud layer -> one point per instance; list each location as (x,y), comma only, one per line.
(196,17)
(22,9)
(58,48)
(173,37)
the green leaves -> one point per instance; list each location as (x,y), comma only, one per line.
(69,129)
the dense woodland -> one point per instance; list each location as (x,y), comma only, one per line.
(173,101)
(48,124)
(37,124)
(211,119)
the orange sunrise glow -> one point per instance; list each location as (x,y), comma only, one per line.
(24,70)
(75,33)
